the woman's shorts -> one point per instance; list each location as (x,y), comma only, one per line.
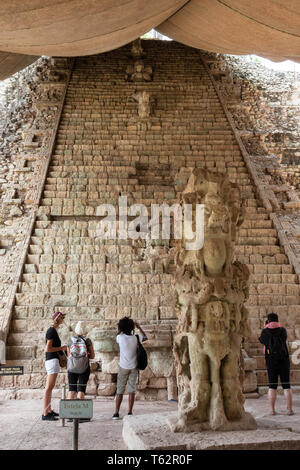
(126,376)
(278,369)
(78,382)
(52,366)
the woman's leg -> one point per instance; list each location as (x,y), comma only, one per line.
(82,383)
(285,382)
(273,373)
(272,399)
(289,399)
(72,379)
(51,379)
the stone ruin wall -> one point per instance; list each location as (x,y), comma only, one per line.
(270,110)
(107,145)
(19,175)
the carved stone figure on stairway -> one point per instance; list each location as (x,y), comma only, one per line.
(211,291)
(138,72)
(144,103)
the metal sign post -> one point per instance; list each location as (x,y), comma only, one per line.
(63,397)
(75,434)
(76,410)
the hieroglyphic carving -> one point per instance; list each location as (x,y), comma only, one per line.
(288,229)
(20,201)
(144,103)
(211,291)
(137,49)
(279,194)
(163,254)
(46,114)
(226,84)
(273,196)
(138,72)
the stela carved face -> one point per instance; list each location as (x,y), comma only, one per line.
(216,215)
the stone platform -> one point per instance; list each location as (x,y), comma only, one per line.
(151,432)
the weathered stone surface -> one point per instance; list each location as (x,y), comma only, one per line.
(103,149)
(161,363)
(110,364)
(151,432)
(106,389)
(104,341)
(211,291)
(250,382)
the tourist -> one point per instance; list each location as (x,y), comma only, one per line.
(80,351)
(274,337)
(52,364)
(128,372)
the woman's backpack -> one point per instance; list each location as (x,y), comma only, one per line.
(141,355)
(78,361)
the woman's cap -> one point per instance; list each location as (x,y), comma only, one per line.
(80,328)
(58,314)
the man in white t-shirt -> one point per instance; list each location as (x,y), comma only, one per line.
(128,372)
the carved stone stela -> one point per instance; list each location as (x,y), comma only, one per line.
(211,290)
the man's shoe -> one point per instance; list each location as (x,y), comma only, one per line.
(54,413)
(49,417)
(130,414)
(116,416)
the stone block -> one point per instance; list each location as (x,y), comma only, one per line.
(161,363)
(110,364)
(104,341)
(157,382)
(106,389)
(250,382)
(152,432)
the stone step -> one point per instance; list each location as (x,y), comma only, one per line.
(271,269)
(101,170)
(263,289)
(258,259)
(64,161)
(20,352)
(280,279)
(254,241)
(257,232)
(268,299)
(260,250)
(256,224)
(26,339)
(100,384)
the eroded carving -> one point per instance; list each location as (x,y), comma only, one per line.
(137,49)
(144,103)
(162,254)
(138,72)
(211,291)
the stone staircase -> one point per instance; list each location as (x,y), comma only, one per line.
(103,151)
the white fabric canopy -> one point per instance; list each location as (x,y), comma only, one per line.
(269,28)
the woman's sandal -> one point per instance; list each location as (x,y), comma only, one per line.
(273,413)
(290,413)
